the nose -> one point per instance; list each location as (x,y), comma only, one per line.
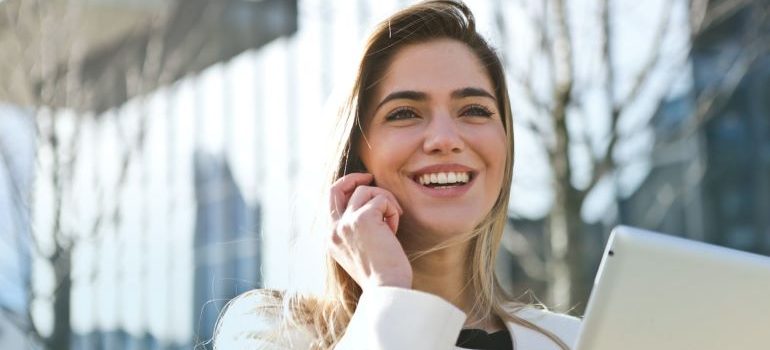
(443,136)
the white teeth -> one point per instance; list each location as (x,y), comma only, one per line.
(444,178)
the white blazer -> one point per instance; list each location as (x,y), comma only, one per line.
(387,318)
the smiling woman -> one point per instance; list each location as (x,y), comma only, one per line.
(418,202)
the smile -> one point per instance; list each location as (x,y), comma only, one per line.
(443,179)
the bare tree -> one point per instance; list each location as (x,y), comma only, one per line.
(562,126)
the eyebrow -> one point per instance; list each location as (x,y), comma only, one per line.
(421,96)
(472,92)
(403,95)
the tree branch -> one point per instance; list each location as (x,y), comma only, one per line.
(605,163)
(716,96)
(543,40)
(698,10)
(667,195)
(644,74)
(707,17)
(562,95)
(526,82)
(562,57)
(540,107)
(603,166)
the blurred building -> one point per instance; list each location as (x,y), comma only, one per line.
(713,184)
(226,254)
(17,144)
(164,234)
(737,180)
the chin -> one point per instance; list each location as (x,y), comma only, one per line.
(441,227)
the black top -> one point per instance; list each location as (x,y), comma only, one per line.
(480,339)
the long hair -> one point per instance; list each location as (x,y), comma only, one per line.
(326,317)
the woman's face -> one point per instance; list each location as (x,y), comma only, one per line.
(434,138)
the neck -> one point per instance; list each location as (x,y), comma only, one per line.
(445,273)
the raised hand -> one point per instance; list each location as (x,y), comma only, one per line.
(363,239)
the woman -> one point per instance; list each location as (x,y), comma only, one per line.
(418,205)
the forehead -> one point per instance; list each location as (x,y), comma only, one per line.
(434,67)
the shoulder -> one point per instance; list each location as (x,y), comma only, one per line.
(564,326)
(255,320)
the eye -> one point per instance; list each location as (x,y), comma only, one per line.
(476,111)
(402,113)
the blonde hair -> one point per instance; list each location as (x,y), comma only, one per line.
(327,317)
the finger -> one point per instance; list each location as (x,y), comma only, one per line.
(391,218)
(342,189)
(363,194)
(385,210)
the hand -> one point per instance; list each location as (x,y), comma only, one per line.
(363,240)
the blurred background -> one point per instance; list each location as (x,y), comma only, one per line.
(158,158)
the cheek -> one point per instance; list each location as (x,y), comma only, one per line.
(382,158)
(495,149)
(389,148)
(492,144)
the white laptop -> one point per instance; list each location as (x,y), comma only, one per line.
(654,291)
